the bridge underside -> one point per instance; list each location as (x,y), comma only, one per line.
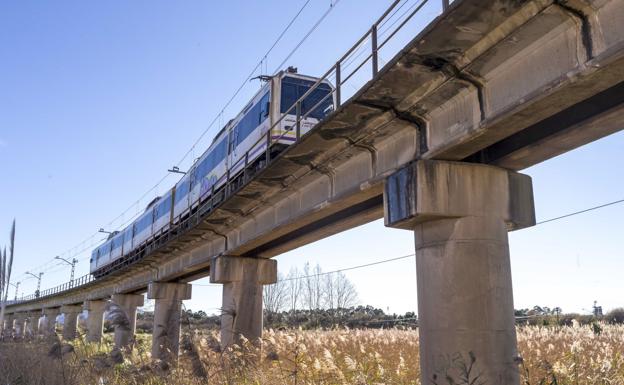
(504,82)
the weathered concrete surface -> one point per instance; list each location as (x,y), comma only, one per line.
(460,214)
(34,318)
(167,313)
(95,319)
(125,323)
(19,324)
(241,309)
(8,327)
(504,82)
(50,321)
(70,321)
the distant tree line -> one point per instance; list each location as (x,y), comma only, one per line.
(544,315)
(309,289)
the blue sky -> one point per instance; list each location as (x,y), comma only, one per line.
(98,99)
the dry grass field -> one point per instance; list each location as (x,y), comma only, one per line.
(575,355)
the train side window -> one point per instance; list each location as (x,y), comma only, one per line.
(182,190)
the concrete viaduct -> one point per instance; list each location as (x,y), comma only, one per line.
(432,143)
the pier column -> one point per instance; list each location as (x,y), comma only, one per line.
(460,214)
(242,280)
(125,324)
(7,329)
(50,321)
(34,317)
(95,319)
(70,321)
(20,321)
(167,313)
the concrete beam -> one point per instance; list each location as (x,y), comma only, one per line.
(460,214)
(70,321)
(123,312)
(242,280)
(167,313)
(95,319)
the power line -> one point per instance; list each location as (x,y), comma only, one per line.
(348,268)
(137,202)
(580,212)
(413,254)
(244,83)
(319,21)
(407,255)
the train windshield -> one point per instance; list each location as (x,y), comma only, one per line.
(294,88)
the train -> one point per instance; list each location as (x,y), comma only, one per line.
(236,146)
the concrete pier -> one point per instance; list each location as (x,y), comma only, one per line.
(50,321)
(166,336)
(7,328)
(242,280)
(95,319)
(460,214)
(34,323)
(20,322)
(70,321)
(126,326)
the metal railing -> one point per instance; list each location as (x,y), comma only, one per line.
(205,204)
(85,279)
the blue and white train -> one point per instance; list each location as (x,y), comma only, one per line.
(238,145)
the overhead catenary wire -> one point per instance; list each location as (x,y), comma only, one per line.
(263,59)
(332,6)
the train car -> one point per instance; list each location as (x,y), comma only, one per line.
(240,143)
(128,233)
(143,227)
(163,213)
(116,246)
(93,260)
(210,171)
(103,254)
(318,104)
(182,197)
(248,129)
(271,109)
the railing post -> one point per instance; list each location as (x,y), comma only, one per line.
(338,80)
(374,47)
(298,119)
(445,5)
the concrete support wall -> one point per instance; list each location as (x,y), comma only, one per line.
(167,312)
(50,321)
(123,310)
(70,321)
(242,280)
(95,319)
(460,214)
